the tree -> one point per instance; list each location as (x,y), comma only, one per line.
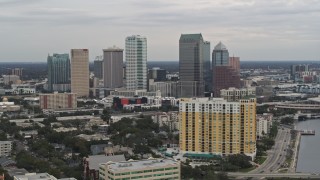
(240,160)
(287,120)
(106,116)
(268,142)
(142,149)
(3,136)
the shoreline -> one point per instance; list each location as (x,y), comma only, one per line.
(294,162)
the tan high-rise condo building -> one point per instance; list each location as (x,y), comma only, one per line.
(80,72)
(113,67)
(214,126)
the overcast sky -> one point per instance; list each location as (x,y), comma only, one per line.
(251,29)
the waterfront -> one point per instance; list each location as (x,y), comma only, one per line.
(309,154)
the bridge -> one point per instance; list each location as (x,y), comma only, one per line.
(298,106)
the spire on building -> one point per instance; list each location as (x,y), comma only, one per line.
(220,46)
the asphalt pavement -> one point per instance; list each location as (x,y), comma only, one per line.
(277,155)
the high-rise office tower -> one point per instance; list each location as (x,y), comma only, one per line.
(216,126)
(112,67)
(191,65)
(297,70)
(235,63)
(226,71)
(136,62)
(58,72)
(207,72)
(97,67)
(80,72)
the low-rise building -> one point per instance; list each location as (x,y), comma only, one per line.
(235,94)
(132,93)
(23,89)
(167,88)
(35,176)
(38,176)
(58,101)
(5,148)
(142,169)
(170,119)
(264,123)
(91,164)
(11,79)
(6,162)
(6,106)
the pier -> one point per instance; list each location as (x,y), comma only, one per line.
(307,132)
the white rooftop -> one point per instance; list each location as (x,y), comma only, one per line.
(5,142)
(35,176)
(94,161)
(141,164)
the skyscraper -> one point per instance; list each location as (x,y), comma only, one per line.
(191,65)
(112,67)
(297,70)
(58,72)
(136,62)
(80,72)
(97,67)
(226,71)
(207,72)
(215,126)
(220,55)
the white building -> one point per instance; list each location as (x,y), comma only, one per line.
(167,88)
(170,119)
(6,106)
(136,62)
(23,89)
(5,148)
(11,79)
(264,123)
(234,94)
(38,176)
(132,93)
(143,169)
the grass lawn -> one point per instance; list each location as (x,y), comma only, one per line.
(260,159)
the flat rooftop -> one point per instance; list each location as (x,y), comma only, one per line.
(35,176)
(142,164)
(95,160)
(5,142)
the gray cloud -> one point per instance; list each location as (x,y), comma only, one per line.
(243,24)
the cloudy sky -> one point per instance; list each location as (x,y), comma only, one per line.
(251,29)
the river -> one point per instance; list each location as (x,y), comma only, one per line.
(309,153)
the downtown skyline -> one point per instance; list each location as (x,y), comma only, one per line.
(253,30)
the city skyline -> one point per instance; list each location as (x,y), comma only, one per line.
(252,29)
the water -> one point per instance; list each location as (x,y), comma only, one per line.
(309,153)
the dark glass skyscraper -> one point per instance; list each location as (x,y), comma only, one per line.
(58,72)
(97,68)
(207,72)
(191,65)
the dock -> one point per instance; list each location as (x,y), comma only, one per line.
(307,132)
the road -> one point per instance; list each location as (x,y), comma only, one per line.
(277,155)
(279,175)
